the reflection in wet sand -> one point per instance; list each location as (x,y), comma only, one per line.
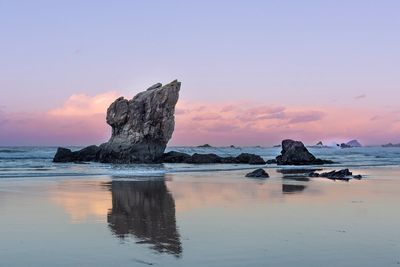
(296,178)
(292,188)
(146,210)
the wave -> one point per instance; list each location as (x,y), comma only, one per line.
(12,151)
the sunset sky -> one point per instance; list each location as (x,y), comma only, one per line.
(252,72)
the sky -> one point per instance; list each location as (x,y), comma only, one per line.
(252,72)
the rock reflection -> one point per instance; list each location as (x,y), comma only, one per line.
(296,178)
(292,188)
(146,210)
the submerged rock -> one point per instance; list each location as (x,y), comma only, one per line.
(337,174)
(344,174)
(259,173)
(205,145)
(295,153)
(141,128)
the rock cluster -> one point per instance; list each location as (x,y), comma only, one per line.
(295,153)
(178,157)
(344,174)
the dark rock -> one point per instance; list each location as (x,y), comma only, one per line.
(271,161)
(63,155)
(295,153)
(204,158)
(337,174)
(89,153)
(313,174)
(344,174)
(205,146)
(141,128)
(232,146)
(250,159)
(174,157)
(229,160)
(178,157)
(358,176)
(259,173)
(319,143)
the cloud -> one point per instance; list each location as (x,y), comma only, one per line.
(80,120)
(85,105)
(207,117)
(360,96)
(307,116)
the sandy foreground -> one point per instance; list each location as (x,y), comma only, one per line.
(201,219)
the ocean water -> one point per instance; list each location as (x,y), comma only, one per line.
(30,162)
(198,215)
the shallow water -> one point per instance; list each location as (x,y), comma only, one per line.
(201,219)
(34,162)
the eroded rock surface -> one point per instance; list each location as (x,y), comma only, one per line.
(295,153)
(141,128)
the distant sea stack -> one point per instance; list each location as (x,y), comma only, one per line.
(205,146)
(141,128)
(391,145)
(295,153)
(352,143)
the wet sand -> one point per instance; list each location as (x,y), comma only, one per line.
(202,219)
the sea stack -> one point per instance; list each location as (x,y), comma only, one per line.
(141,128)
(295,153)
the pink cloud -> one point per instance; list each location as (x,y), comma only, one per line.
(81,121)
(252,124)
(207,117)
(307,116)
(84,105)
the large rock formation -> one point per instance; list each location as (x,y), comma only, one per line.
(141,128)
(295,153)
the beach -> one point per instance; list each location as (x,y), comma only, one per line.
(183,215)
